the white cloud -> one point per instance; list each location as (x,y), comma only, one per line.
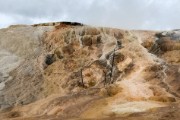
(5,20)
(128,14)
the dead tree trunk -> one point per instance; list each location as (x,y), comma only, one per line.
(82,80)
(105,81)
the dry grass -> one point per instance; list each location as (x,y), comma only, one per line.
(162,99)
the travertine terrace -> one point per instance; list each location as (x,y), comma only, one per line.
(67,70)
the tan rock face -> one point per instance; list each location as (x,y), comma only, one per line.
(69,70)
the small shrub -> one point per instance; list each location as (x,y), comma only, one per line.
(92,83)
(113,90)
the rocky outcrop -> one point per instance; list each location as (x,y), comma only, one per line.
(70,70)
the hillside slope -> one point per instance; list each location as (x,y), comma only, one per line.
(69,70)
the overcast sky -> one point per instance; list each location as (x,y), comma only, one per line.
(126,14)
